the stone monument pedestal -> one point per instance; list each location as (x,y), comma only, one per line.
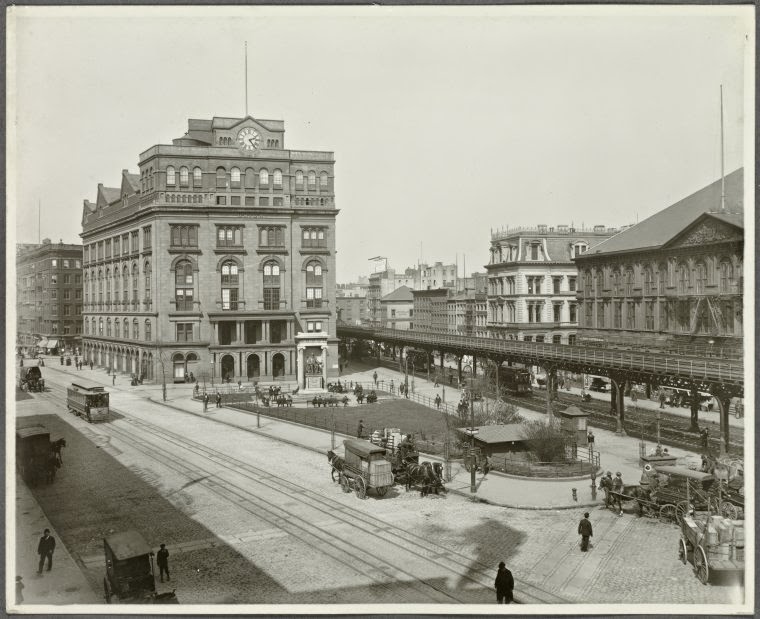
(311,362)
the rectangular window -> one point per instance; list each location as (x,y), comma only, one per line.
(573,312)
(108,248)
(66,294)
(229,298)
(649,316)
(184,236)
(276,201)
(67,279)
(65,264)
(571,284)
(54,262)
(234,200)
(78,293)
(124,244)
(67,310)
(229,236)
(557,312)
(263,201)
(221,200)
(53,295)
(618,315)
(77,279)
(184,331)
(135,239)
(250,201)
(556,283)
(116,246)
(147,242)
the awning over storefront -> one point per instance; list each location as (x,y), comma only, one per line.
(43,343)
(52,344)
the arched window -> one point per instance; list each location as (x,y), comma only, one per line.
(184,176)
(100,326)
(701,277)
(314,283)
(264,177)
(183,286)
(277,178)
(662,277)
(299,179)
(229,285)
(221,177)
(108,327)
(726,275)
(171,177)
(250,178)
(629,282)
(323,180)
(125,284)
(134,283)
(135,329)
(684,278)
(100,287)
(649,287)
(146,275)
(117,328)
(235,177)
(108,286)
(264,236)
(312,180)
(616,283)
(271,285)
(148,331)
(197,177)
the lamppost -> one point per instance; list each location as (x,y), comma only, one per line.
(212,374)
(473,462)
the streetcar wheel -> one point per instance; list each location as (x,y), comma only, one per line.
(700,565)
(729,510)
(682,550)
(345,484)
(360,487)
(382,490)
(668,513)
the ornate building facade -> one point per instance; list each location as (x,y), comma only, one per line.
(532,281)
(674,278)
(217,259)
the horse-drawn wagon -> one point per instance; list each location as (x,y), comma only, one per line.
(365,467)
(30,379)
(713,544)
(130,577)
(35,460)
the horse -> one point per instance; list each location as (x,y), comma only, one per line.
(51,464)
(337,463)
(55,448)
(422,475)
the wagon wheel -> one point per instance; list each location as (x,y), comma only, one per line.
(700,565)
(682,553)
(360,487)
(668,513)
(381,491)
(682,509)
(345,483)
(729,510)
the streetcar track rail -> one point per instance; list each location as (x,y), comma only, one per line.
(478,573)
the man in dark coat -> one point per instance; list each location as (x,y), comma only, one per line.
(45,549)
(360,429)
(585,531)
(162,559)
(504,584)
(218,400)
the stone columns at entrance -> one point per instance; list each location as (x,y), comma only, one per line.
(299,365)
(323,357)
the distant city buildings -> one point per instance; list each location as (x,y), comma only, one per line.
(397,309)
(48,297)
(674,278)
(532,281)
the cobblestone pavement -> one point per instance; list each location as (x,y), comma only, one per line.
(228,549)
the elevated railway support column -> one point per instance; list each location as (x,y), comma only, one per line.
(459,368)
(618,401)
(724,402)
(551,379)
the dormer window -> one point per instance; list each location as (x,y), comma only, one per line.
(578,248)
(171,176)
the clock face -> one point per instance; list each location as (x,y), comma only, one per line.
(248,139)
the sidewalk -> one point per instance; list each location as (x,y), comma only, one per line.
(618,453)
(65,583)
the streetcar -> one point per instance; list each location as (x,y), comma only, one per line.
(515,380)
(88,399)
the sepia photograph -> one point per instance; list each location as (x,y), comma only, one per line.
(380,310)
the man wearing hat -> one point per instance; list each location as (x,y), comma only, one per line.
(504,584)
(585,531)
(162,558)
(45,549)
(617,488)
(606,484)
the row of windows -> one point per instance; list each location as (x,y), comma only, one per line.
(236,176)
(118,328)
(695,278)
(533,251)
(66,263)
(226,141)
(507,285)
(120,245)
(232,236)
(115,286)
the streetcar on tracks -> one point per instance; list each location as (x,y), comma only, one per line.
(514,380)
(365,468)
(88,399)
(34,458)
(130,577)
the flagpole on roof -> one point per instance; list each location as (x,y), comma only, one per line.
(722,170)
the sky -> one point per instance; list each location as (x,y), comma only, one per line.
(445,123)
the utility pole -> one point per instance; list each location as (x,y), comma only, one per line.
(473,461)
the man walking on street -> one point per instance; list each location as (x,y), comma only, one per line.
(617,489)
(504,584)
(438,402)
(662,399)
(45,549)
(585,531)
(374,377)
(218,400)
(90,364)
(162,558)
(606,484)
(114,378)
(360,429)
(205,402)
(590,441)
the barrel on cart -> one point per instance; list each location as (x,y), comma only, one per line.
(33,453)
(714,545)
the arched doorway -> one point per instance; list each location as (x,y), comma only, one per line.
(228,368)
(253,367)
(178,364)
(149,375)
(278,365)
(193,365)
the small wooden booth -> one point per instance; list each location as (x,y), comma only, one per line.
(575,423)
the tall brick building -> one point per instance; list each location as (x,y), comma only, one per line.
(48,296)
(217,258)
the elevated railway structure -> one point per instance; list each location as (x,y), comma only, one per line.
(721,377)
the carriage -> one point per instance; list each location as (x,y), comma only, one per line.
(34,458)
(88,399)
(365,467)
(30,379)
(129,571)
(714,545)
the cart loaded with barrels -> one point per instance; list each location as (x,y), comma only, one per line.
(714,544)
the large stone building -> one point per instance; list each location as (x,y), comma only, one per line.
(674,278)
(431,310)
(397,309)
(532,281)
(217,258)
(48,297)
(352,310)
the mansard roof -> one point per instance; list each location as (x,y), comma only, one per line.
(662,227)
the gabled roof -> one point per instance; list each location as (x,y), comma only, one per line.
(404,293)
(657,230)
(133,180)
(111,194)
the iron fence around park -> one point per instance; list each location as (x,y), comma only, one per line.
(579,461)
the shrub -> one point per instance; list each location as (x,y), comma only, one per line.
(545,441)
